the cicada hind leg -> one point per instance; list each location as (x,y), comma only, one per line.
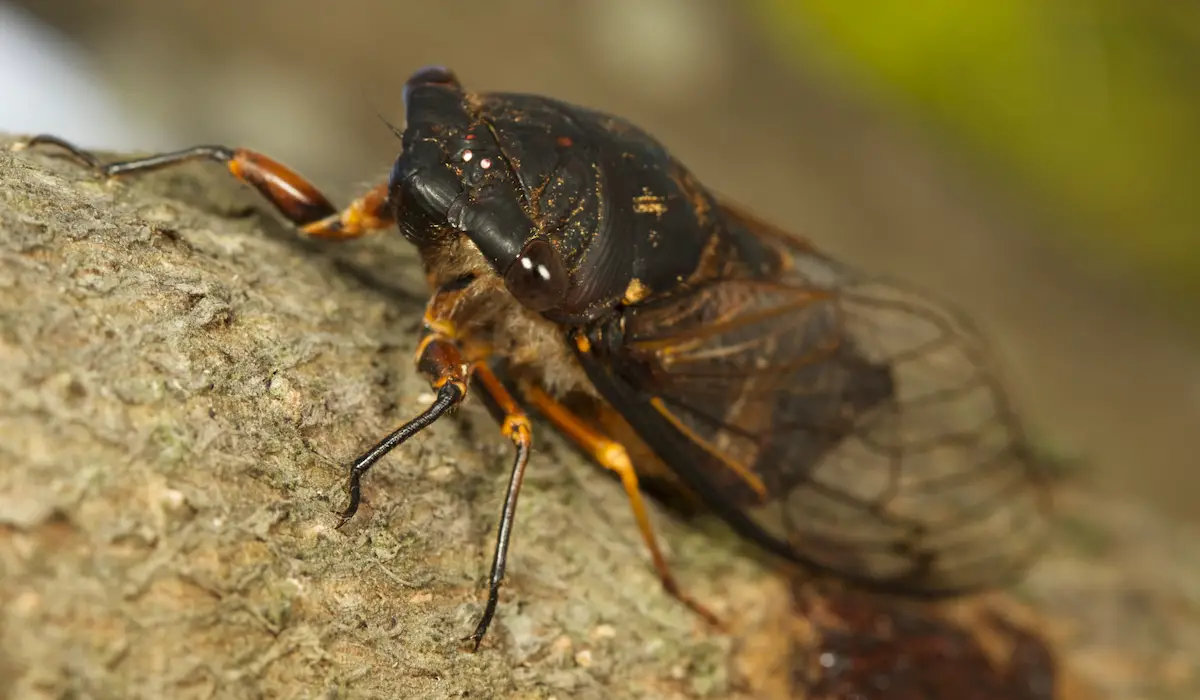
(293,196)
(612,455)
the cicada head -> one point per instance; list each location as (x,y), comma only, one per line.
(453,178)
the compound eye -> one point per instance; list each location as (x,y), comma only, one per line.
(537,277)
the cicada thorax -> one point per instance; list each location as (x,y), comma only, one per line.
(627,219)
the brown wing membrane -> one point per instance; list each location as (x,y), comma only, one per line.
(845,422)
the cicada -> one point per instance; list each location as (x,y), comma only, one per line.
(846,423)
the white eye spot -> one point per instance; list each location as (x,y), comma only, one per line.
(467,156)
(485,163)
(540,270)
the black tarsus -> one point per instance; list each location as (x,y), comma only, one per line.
(448,396)
(500,557)
(220,154)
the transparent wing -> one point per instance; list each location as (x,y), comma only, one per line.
(858,424)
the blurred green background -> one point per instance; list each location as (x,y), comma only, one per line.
(1033,161)
(1093,106)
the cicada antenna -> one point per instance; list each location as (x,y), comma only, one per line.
(397,131)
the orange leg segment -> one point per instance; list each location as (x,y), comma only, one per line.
(297,199)
(612,455)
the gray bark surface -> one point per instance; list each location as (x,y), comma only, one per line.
(183,383)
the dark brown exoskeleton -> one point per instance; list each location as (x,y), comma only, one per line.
(842,422)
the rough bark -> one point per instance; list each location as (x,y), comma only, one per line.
(182,382)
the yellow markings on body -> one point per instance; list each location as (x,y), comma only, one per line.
(650,203)
(635,292)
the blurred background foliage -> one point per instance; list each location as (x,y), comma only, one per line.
(1091,104)
(1032,160)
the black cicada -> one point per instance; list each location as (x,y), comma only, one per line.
(840,421)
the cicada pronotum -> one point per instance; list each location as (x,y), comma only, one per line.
(842,422)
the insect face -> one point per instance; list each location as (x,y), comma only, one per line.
(454,178)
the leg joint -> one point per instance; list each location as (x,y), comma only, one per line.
(517,428)
(613,455)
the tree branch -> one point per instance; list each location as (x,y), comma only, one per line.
(183,385)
